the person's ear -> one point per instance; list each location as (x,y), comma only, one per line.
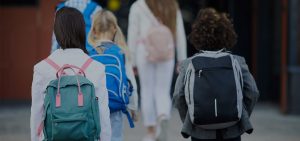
(115,30)
(94,31)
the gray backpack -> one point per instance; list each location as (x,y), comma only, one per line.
(213,90)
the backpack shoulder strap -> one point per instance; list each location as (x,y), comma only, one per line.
(88,11)
(52,63)
(90,8)
(145,8)
(236,65)
(60,5)
(57,67)
(86,64)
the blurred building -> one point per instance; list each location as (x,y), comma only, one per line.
(268,38)
(26,30)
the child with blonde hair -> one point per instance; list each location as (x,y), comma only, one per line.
(109,42)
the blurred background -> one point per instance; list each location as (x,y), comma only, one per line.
(268,37)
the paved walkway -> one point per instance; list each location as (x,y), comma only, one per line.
(269,125)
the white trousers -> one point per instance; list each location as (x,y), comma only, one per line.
(155,81)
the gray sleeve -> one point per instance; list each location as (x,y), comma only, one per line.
(179,97)
(250,91)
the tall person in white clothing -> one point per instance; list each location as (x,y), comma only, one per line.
(155,36)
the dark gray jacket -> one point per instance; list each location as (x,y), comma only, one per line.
(250,93)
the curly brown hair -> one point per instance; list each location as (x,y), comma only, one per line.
(212,31)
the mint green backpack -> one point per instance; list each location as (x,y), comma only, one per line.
(71,107)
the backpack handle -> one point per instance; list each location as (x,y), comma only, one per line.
(68,66)
(59,74)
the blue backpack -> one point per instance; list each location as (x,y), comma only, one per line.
(88,11)
(118,85)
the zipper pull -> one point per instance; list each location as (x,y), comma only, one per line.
(216,108)
(199,73)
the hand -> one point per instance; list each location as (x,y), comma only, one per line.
(134,115)
(177,67)
(135,71)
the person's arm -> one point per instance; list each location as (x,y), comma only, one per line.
(180,39)
(133,101)
(102,94)
(250,91)
(179,96)
(133,33)
(38,89)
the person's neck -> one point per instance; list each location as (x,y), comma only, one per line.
(99,42)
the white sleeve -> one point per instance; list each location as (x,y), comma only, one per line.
(133,33)
(181,38)
(102,94)
(133,101)
(37,94)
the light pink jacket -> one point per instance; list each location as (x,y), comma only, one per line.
(140,23)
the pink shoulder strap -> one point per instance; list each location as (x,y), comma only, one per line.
(52,63)
(57,67)
(86,64)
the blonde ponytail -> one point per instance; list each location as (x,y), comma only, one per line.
(120,41)
(91,39)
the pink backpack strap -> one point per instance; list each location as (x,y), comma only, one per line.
(86,64)
(56,67)
(40,128)
(52,63)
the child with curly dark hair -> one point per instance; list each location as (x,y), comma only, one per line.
(214,93)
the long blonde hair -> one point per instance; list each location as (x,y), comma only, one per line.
(165,11)
(105,23)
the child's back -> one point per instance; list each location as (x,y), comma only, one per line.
(109,42)
(250,94)
(215,93)
(71,54)
(119,87)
